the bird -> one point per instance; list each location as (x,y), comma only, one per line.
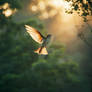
(39,38)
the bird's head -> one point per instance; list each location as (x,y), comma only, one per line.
(49,36)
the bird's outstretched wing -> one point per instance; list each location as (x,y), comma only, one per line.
(36,35)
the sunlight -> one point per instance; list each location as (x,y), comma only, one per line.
(55,3)
(67,5)
(44,15)
(5,6)
(34,8)
(56,9)
(8,12)
(52,13)
(60,3)
(50,8)
(84,1)
(41,5)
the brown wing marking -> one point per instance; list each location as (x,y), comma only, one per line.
(42,52)
(36,35)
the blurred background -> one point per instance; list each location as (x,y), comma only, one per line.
(67,67)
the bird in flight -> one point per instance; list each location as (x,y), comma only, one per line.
(39,38)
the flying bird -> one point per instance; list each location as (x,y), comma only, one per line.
(39,38)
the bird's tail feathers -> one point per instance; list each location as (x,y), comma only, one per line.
(41,51)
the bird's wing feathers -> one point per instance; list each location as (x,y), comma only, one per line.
(44,51)
(41,51)
(36,35)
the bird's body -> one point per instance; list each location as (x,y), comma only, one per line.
(46,40)
(36,35)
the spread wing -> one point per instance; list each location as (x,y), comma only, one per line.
(36,35)
(42,52)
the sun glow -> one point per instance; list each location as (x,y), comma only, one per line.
(41,5)
(34,8)
(60,4)
(50,8)
(7,11)
(58,22)
(5,6)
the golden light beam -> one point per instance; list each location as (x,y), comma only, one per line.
(56,6)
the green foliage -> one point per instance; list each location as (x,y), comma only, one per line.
(21,70)
(16,52)
(53,77)
(13,3)
(82,7)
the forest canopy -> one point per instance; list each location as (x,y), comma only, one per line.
(21,70)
